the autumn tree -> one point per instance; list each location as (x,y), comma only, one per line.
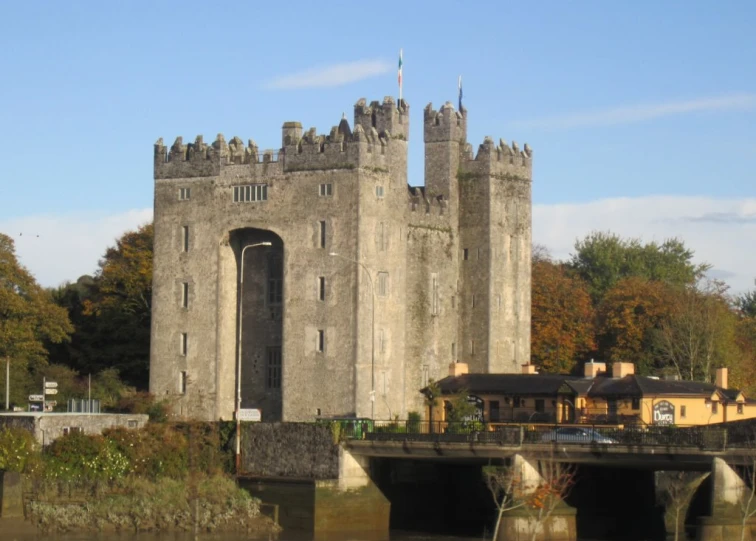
(562,320)
(603,259)
(28,316)
(698,333)
(112,311)
(628,316)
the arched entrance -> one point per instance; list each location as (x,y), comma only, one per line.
(259,320)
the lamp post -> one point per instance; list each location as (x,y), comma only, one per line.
(372,332)
(239,352)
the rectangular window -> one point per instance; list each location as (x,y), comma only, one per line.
(326,190)
(185,238)
(493,411)
(539,405)
(379,192)
(250,193)
(454,351)
(321,288)
(434,294)
(275,279)
(184,343)
(465,254)
(683,411)
(740,409)
(182,382)
(321,341)
(185,295)
(322,225)
(185,194)
(636,403)
(273,368)
(383,285)
(472,347)
(715,408)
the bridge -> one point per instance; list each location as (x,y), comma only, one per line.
(335,475)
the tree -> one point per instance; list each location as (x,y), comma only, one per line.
(603,259)
(504,486)
(28,316)
(562,320)
(698,333)
(628,315)
(112,311)
(677,489)
(746,304)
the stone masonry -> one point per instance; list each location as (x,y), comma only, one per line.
(357,289)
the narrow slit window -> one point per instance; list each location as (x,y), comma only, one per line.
(185,295)
(382,341)
(473,300)
(184,344)
(321,341)
(379,192)
(322,225)
(321,288)
(453,350)
(465,254)
(472,347)
(434,294)
(383,285)
(273,368)
(182,382)
(185,238)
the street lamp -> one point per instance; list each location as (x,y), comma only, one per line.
(372,345)
(239,353)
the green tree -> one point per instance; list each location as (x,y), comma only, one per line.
(602,259)
(562,321)
(746,304)
(28,316)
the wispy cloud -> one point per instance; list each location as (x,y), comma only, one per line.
(723,244)
(328,76)
(642,112)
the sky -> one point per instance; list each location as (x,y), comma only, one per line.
(642,115)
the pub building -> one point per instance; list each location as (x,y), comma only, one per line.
(600,396)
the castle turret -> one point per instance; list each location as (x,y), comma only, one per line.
(385,118)
(291,133)
(445,134)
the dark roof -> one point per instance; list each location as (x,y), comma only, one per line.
(602,386)
(511,384)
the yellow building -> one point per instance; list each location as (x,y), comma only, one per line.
(598,397)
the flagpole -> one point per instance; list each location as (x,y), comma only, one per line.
(400,75)
(459,89)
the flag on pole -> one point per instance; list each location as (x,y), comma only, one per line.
(400,75)
(459,85)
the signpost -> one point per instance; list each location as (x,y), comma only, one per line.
(51,391)
(253,415)
(36,397)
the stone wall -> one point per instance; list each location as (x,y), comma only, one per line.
(47,427)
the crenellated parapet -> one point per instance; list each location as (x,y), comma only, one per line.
(423,203)
(386,118)
(199,159)
(499,160)
(446,124)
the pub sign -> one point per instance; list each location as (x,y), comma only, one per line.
(664,413)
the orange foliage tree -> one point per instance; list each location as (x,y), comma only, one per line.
(562,320)
(628,316)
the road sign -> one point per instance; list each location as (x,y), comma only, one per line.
(254,415)
(51,384)
(36,398)
(51,391)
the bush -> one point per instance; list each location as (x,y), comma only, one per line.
(18,450)
(154,451)
(81,457)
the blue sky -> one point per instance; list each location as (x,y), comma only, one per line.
(641,114)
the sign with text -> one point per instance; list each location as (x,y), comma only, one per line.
(51,391)
(51,385)
(253,415)
(36,398)
(664,413)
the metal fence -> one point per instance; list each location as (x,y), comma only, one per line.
(699,437)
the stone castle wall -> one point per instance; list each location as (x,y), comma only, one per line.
(373,267)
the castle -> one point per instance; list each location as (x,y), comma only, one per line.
(324,280)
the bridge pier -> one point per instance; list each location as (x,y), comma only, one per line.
(729,502)
(553,520)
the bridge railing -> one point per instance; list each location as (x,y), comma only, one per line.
(700,437)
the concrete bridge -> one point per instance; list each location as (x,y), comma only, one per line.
(411,475)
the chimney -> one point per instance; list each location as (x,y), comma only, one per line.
(593,369)
(529,368)
(722,378)
(620,370)
(457,369)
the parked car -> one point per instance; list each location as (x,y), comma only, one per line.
(574,434)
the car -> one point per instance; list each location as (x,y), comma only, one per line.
(574,434)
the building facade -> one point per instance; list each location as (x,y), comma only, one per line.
(329,283)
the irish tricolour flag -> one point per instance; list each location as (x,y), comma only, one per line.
(400,74)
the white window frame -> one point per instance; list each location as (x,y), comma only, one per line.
(379,191)
(185,194)
(250,193)
(326,189)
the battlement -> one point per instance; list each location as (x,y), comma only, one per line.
(387,117)
(421,202)
(446,124)
(501,159)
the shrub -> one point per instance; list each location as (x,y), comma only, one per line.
(81,457)
(18,450)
